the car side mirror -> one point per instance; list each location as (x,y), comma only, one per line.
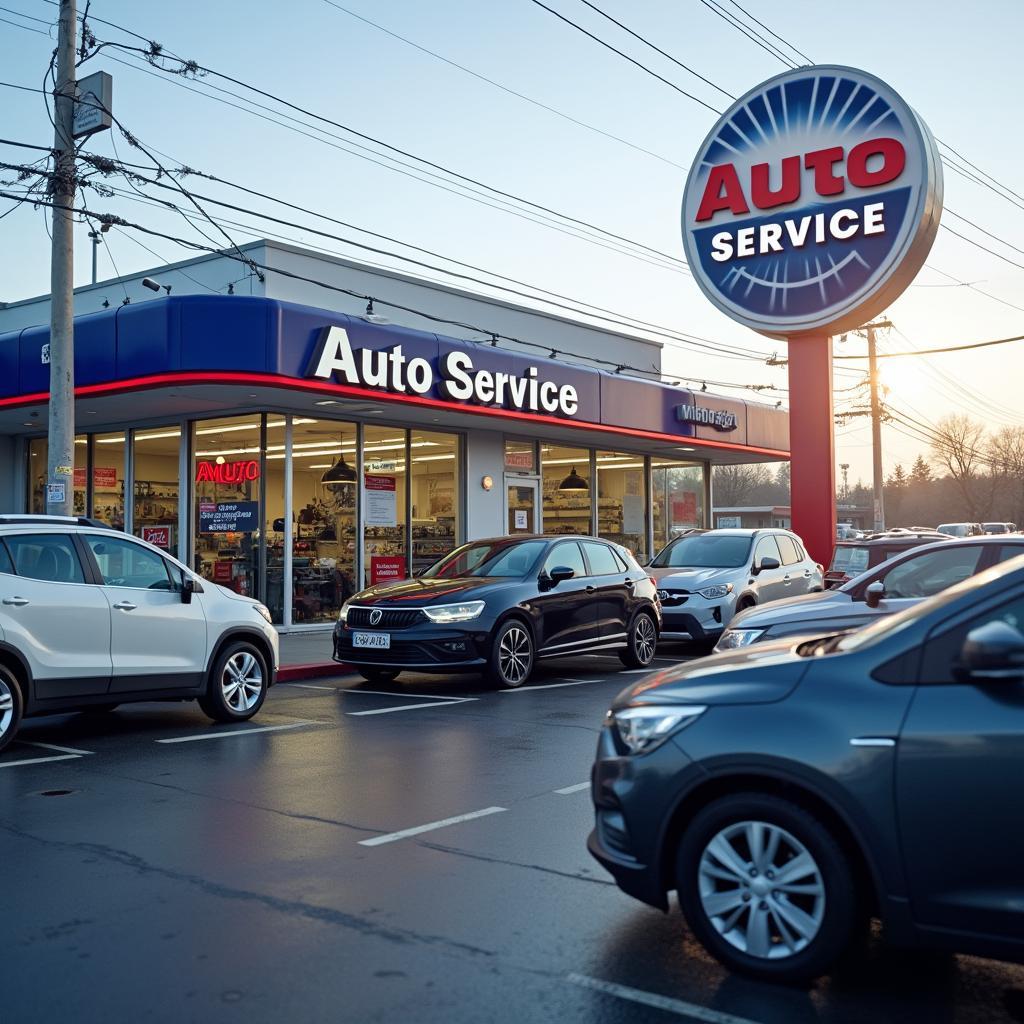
(993,653)
(561,573)
(188,588)
(874,594)
(767,564)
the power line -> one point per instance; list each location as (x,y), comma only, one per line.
(752,36)
(938,351)
(751,17)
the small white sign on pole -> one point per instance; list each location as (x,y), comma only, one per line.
(93,105)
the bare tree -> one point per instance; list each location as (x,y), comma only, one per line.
(959,446)
(737,485)
(1006,453)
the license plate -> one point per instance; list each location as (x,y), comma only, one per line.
(380,641)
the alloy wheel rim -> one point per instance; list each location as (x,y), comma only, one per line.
(761,890)
(242,681)
(514,655)
(645,639)
(6,707)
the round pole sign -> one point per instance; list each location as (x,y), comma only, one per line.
(812,203)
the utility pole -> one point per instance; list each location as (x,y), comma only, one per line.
(876,424)
(61,438)
(845,467)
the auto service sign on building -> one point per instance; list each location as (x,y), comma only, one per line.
(812,203)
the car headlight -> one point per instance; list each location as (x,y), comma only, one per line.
(733,638)
(644,728)
(454,612)
(343,613)
(264,611)
(714,593)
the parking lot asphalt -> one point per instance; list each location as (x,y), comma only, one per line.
(406,853)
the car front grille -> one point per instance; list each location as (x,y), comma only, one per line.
(673,598)
(390,618)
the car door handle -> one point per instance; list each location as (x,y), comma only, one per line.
(873,741)
(18,602)
(125,606)
(591,590)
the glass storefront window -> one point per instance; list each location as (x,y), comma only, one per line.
(677,499)
(226,469)
(434,497)
(323,528)
(567,489)
(520,456)
(385,476)
(108,479)
(155,498)
(622,501)
(37,457)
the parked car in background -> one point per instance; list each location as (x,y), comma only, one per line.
(995,529)
(704,579)
(496,606)
(961,529)
(901,582)
(91,618)
(792,791)
(847,531)
(851,558)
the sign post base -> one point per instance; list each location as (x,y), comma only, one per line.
(812,445)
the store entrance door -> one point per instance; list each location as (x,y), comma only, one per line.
(522,505)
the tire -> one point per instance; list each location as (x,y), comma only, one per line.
(818,921)
(223,700)
(512,655)
(379,675)
(641,643)
(12,706)
(747,602)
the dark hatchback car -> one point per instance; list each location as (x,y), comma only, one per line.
(496,606)
(853,557)
(791,791)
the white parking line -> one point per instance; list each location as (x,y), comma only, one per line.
(53,746)
(554,686)
(393,837)
(633,671)
(235,732)
(408,693)
(308,686)
(578,788)
(409,707)
(40,760)
(676,1006)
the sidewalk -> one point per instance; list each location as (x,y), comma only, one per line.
(307,656)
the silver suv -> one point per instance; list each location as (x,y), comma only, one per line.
(705,578)
(91,618)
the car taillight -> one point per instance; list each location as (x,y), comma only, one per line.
(652,580)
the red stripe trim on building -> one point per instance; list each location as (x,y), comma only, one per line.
(271,380)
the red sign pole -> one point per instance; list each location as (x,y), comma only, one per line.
(812,445)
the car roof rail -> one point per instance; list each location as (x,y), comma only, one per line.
(43,520)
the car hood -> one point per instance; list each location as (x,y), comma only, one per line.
(792,609)
(425,591)
(762,674)
(223,591)
(693,579)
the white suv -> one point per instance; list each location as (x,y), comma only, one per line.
(91,618)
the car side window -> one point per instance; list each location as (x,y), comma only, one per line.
(790,553)
(942,652)
(767,547)
(567,553)
(6,565)
(176,574)
(1005,552)
(124,564)
(50,557)
(602,559)
(931,572)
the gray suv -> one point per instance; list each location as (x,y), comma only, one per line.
(794,790)
(705,578)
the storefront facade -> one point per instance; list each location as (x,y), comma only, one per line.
(299,454)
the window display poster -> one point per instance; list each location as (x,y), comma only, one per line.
(228,516)
(386,568)
(103,478)
(522,519)
(684,509)
(381,500)
(633,514)
(159,535)
(222,572)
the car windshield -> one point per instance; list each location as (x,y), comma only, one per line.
(704,551)
(850,559)
(954,529)
(488,558)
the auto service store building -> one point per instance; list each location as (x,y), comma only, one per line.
(298,453)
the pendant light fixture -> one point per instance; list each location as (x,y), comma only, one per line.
(574,482)
(341,474)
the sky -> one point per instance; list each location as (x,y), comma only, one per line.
(952,65)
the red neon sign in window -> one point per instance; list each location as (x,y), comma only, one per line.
(227,472)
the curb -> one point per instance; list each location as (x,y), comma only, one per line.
(316,670)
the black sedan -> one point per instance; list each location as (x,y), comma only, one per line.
(791,791)
(496,606)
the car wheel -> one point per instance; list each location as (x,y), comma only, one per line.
(11,707)
(766,888)
(238,684)
(379,675)
(511,659)
(747,602)
(642,642)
